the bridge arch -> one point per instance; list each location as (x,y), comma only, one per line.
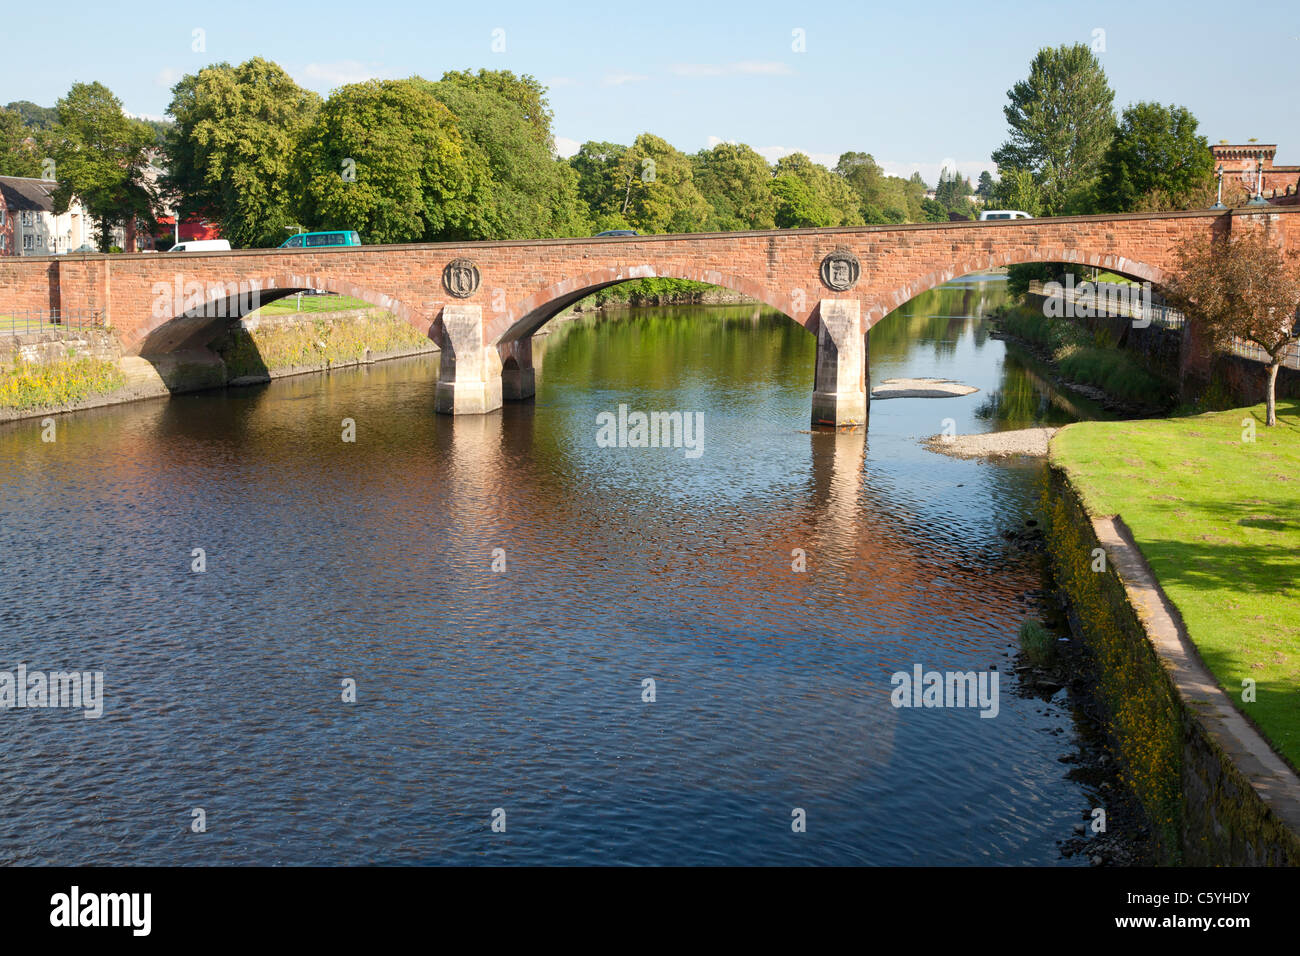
(529,314)
(875,309)
(192,314)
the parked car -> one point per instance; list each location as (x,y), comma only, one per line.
(616,232)
(988,214)
(202,245)
(315,240)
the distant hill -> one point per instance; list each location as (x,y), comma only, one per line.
(35,117)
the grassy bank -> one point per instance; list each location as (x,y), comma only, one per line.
(314,342)
(1216,517)
(1087,358)
(292,304)
(27,385)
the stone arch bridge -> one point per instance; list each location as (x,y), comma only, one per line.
(481,302)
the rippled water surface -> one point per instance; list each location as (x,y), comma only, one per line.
(523,690)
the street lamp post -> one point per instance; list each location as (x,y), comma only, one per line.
(1258,199)
(1218,201)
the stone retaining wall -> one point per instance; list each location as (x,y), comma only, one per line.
(187,370)
(58,344)
(1213,790)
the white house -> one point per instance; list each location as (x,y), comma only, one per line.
(29,226)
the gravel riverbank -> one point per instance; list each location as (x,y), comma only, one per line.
(1031,442)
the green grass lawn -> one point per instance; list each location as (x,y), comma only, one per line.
(1218,519)
(1116,278)
(22,323)
(313,303)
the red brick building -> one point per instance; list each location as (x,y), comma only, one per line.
(1243,163)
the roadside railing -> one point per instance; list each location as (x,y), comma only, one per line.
(1249,350)
(25,321)
(1113,299)
(1104,299)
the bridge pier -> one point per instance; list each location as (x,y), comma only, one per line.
(518,373)
(469,373)
(840,393)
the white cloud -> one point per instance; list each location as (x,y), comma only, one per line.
(167,77)
(324,77)
(144,116)
(619,79)
(565,147)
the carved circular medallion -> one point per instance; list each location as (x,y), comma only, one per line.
(461,278)
(840,270)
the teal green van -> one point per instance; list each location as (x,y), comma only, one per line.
(315,240)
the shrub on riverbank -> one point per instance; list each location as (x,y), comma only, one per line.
(314,342)
(1032,326)
(1087,357)
(30,385)
(1038,643)
(1115,372)
(1212,503)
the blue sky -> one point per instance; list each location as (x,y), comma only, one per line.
(912,84)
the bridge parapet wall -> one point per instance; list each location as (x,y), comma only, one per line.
(522,284)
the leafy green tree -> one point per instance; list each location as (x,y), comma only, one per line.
(1156,161)
(1020,275)
(649,186)
(1242,286)
(914,190)
(601,185)
(237,137)
(934,211)
(533,195)
(797,204)
(953,192)
(609,220)
(664,197)
(387,159)
(863,175)
(808,194)
(160,130)
(984,190)
(100,156)
(16,158)
(527,95)
(736,182)
(1061,120)
(893,215)
(882,198)
(1018,189)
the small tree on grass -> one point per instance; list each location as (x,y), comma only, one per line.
(1245,287)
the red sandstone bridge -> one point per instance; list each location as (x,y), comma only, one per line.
(481,302)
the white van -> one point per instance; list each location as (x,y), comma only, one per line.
(202,245)
(988,214)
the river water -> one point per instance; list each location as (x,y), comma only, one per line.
(522,688)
